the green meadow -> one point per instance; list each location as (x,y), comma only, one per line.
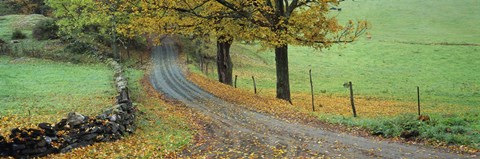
(433,44)
(404,51)
(42,87)
(24,23)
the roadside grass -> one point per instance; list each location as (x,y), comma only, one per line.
(34,90)
(408,48)
(456,130)
(452,131)
(163,129)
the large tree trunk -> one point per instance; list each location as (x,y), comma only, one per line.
(224,62)
(281,53)
(283,84)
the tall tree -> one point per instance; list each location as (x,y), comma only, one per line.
(89,21)
(279,23)
(190,17)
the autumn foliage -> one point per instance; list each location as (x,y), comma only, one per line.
(276,24)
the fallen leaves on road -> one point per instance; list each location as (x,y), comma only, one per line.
(302,108)
(279,108)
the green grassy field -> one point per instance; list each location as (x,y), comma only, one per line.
(25,23)
(45,90)
(386,66)
(381,66)
(413,43)
(42,87)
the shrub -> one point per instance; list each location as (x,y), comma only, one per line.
(17,34)
(394,127)
(6,9)
(45,29)
(79,47)
(452,130)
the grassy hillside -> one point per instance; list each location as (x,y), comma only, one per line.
(33,90)
(386,66)
(433,44)
(418,21)
(25,23)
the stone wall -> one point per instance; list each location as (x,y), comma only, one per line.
(74,130)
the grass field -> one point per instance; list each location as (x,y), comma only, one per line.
(34,90)
(430,44)
(25,23)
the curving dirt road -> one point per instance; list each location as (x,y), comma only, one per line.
(237,132)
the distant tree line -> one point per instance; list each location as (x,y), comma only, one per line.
(24,7)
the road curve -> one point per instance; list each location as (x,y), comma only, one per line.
(237,132)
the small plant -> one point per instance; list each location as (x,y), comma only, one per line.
(45,29)
(394,127)
(17,34)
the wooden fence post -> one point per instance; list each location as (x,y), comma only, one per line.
(254,85)
(351,99)
(311,88)
(418,99)
(235,81)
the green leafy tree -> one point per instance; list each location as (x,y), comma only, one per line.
(278,23)
(192,18)
(89,21)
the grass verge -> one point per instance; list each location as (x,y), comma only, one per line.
(408,46)
(452,131)
(163,129)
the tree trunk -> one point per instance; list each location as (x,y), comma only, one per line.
(283,84)
(224,62)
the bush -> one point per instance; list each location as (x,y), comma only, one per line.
(5,9)
(452,130)
(79,47)
(17,34)
(394,127)
(45,29)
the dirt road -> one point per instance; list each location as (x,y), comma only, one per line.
(237,132)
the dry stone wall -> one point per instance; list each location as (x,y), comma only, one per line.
(75,130)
